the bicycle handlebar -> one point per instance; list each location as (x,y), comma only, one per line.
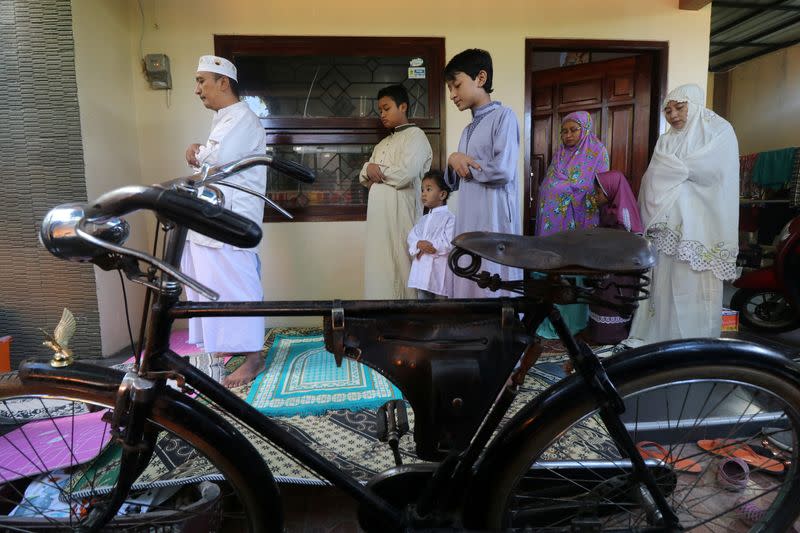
(290,168)
(182,208)
(87,233)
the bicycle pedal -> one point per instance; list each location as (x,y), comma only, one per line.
(392,420)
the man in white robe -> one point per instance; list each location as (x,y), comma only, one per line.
(393,175)
(232,272)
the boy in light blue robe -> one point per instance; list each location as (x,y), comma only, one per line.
(484,170)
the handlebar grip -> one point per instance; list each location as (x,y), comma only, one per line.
(294,170)
(210,220)
(184,209)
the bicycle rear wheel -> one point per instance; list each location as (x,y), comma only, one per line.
(570,472)
(58,460)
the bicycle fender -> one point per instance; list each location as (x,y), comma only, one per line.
(225,445)
(550,405)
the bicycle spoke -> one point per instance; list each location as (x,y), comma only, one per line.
(687,412)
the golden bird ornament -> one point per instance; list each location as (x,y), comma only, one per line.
(59,341)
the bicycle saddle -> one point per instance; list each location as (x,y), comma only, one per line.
(596,249)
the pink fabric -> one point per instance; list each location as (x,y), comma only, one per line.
(179,343)
(622,207)
(50,444)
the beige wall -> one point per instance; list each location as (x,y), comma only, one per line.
(322,260)
(103,61)
(765,101)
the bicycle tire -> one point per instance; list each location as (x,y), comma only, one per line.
(180,420)
(514,502)
(742,301)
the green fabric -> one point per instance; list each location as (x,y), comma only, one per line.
(576,316)
(774,168)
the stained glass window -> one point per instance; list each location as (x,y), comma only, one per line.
(328,86)
(316,97)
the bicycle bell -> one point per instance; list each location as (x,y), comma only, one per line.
(212,194)
(59,237)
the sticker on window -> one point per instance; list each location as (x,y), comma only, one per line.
(416,73)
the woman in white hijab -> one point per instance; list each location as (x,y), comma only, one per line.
(689,202)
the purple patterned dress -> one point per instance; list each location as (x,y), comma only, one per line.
(566,197)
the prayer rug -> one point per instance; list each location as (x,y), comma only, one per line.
(301,378)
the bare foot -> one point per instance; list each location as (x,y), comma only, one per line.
(247,372)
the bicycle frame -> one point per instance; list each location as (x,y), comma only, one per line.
(448,485)
(452,474)
(158,358)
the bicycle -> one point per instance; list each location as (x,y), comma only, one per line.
(567,461)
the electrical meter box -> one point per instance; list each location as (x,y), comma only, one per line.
(156,66)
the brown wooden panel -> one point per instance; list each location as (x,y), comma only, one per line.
(542,136)
(583,92)
(619,137)
(586,71)
(541,144)
(535,177)
(319,213)
(643,131)
(616,93)
(542,99)
(621,87)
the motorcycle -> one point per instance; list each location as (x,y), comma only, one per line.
(768,298)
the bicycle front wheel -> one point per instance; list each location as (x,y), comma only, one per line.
(720,438)
(59,461)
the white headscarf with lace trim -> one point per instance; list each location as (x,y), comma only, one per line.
(689,199)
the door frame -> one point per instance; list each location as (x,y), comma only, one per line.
(658,50)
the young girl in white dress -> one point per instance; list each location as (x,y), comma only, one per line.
(430,241)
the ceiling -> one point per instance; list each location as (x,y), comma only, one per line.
(745,29)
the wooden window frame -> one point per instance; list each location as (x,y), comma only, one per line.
(341,130)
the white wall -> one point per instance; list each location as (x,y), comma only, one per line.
(323,260)
(765,101)
(103,62)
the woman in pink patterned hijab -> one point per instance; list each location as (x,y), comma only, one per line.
(566,199)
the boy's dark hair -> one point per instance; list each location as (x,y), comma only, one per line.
(397,93)
(438,178)
(470,62)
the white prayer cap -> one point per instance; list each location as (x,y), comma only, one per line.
(218,65)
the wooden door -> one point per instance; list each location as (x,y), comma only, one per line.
(616,93)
